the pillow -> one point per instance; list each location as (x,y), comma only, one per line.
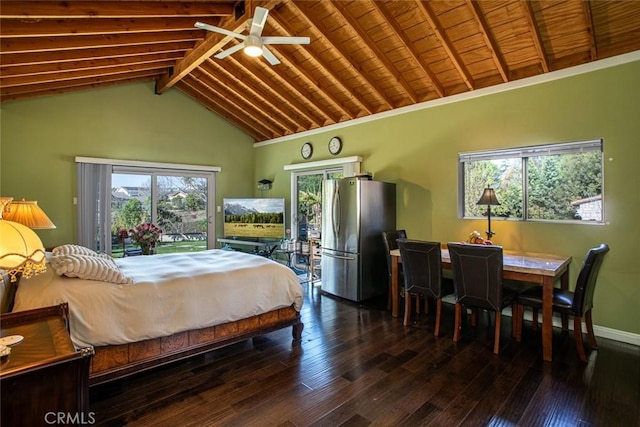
(89,267)
(76,250)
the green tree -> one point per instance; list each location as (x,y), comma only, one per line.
(193,202)
(131,214)
(167,220)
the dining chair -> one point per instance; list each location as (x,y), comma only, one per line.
(390,243)
(477,281)
(422,267)
(578,303)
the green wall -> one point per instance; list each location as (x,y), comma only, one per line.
(40,139)
(418,151)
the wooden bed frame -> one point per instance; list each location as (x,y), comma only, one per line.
(117,361)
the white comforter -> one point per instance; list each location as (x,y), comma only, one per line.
(170,293)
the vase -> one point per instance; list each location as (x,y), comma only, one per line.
(148,250)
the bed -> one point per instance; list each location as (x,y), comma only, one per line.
(169,307)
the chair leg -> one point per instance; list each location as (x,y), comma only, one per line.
(565,322)
(519,322)
(426,305)
(514,320)
(577,332)
(389,296)
(458,324)
(474,317)
(592,336)
(418,304)
(407,308)
(534,319)
(438,312)
(496,338)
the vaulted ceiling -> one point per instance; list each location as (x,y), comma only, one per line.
(364,57)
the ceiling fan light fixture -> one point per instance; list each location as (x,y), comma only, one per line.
(253,46)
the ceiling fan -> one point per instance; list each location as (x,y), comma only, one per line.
(254,44)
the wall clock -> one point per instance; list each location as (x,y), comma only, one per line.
(307,150)
(335,145)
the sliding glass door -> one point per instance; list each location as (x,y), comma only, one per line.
(179,203)
(307,208)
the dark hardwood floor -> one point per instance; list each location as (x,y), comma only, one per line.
(358,366)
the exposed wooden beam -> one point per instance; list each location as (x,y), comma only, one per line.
(250,109)
(296,93)
(90,64)
(408,45)
(57,91)
(501,65)
(206,48)
(111,9)
(86,54)
(446,43)
(191,87)
(335,45)
(70,27)
(319,91)
(588,18)
(293,102)
(203,50)
(255,93)
(66,84)
(337,79)
(45,44)
(158,67)
(535,34)
(378,54)
(217,99)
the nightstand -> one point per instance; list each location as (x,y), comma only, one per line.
(44,380)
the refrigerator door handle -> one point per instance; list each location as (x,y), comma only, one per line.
(349,258)
(336,211)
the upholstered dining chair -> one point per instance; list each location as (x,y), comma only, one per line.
(390,242)
(577,303)
(477,281)
(422,266)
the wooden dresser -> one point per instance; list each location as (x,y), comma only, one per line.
(45,380)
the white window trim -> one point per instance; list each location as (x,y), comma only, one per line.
(154,165)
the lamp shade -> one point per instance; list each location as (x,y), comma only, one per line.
(488,197)
(27,213)
(21,251)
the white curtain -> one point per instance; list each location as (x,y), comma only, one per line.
(94,198)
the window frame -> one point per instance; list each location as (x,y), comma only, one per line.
(524,153)
(95,187)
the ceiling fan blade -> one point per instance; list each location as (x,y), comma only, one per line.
(286,40)
(259,19)
(269,56)
(208,27)
(229,51)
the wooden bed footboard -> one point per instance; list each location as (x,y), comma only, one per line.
(118,361)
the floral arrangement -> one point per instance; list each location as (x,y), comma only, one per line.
(146,236)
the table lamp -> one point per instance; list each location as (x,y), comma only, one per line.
(488,198)
(27,213)
(21,250)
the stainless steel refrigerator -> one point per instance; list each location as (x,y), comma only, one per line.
(355,212)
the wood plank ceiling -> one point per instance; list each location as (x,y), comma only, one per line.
(364,57)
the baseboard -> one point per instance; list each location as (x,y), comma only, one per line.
(599,331)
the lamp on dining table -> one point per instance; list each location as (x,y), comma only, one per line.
(488,198)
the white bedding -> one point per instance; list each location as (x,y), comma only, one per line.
(170,293)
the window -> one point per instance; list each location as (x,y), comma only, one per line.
(116,197)
(556,182)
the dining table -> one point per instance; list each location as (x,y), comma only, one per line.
(540,268)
